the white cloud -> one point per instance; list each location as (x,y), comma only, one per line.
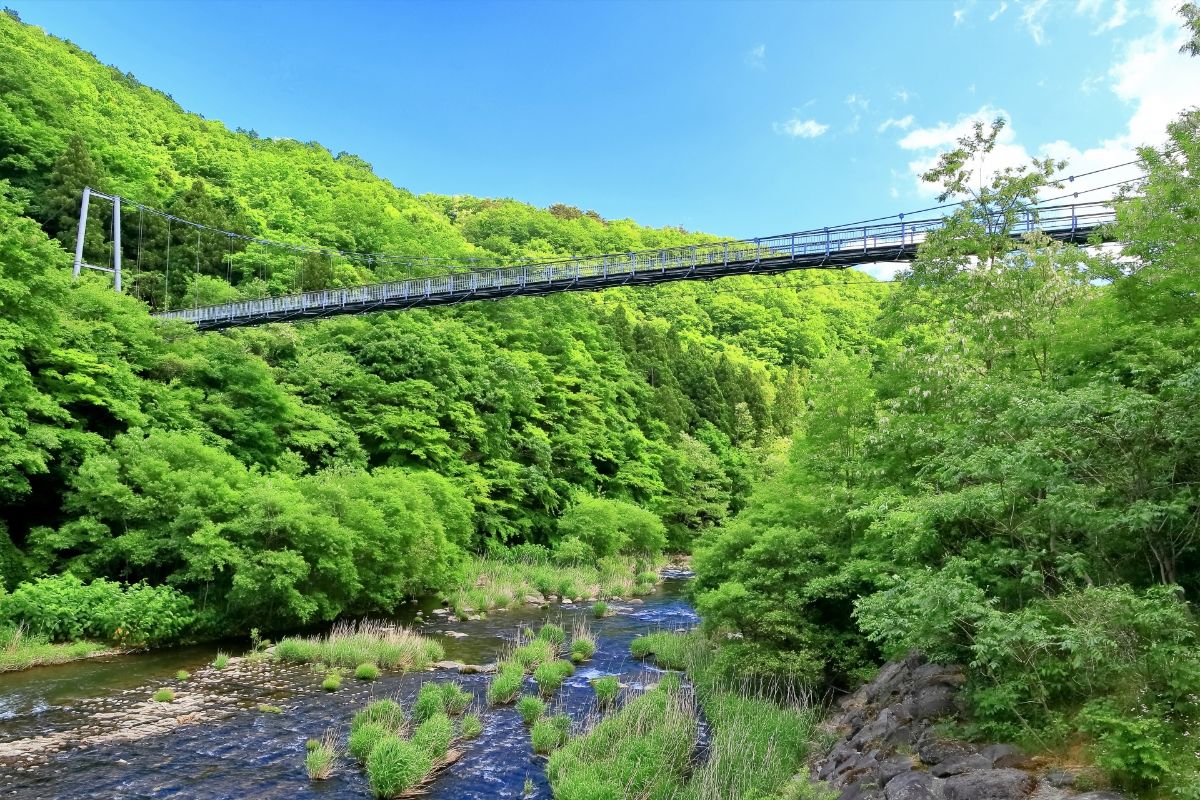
(1033,17)
(1150,76)
(903,95)
(995,15)
(1120,15)
(1090,84)
(903,123)
(801,129)
(960,15)
(855,101)
(757,56)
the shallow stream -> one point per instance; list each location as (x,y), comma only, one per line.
(227,748)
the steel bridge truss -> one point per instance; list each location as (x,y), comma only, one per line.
(828,248)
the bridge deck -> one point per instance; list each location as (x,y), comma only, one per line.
(838,248)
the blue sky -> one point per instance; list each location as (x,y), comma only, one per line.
(740,119)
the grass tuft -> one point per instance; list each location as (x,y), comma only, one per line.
(268,709)
(506,683)
(396,765)
(470,726)
(320,761)
(332,682)
(364,738)
(607,689)
(366,672)
(600,609)
(430,700)
(455,698)
(434,736)
(531,709)
(384,712)
(349,644)
(164,696)
(550,734)
(550,676)
(182,675)
(221,661)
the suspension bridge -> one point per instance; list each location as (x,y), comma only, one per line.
(841,247)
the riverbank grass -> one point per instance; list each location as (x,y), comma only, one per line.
(495,583)
(20,649)
(350,644)
(758,739)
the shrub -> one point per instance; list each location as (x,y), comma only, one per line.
(600,609)
(470,726)
(573,551)
(319,761)
(387,713)
(434,735)
(396,765)
(613,526)
(366,672)
(430,701)
(506,683)
(164,696)
(455,698)
(549,676)
(62,608)
(606,689)
(364,738)
(531,709)
(553,634)
(221,661)
(332,682)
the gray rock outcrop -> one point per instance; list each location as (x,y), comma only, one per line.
(888,748)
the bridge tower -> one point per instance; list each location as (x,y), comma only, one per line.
(114,268)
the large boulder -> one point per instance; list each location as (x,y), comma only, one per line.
(989,784)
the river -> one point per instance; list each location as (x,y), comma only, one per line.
(249,753)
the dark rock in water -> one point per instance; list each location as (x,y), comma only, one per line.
(990,784)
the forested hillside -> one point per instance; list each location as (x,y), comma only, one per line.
(1010,481)
(292,473)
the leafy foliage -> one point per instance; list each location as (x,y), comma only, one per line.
(291,474)
(1007,480)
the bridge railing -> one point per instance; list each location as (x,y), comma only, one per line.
(871,240)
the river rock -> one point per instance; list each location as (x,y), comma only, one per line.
(448,665)
(990,784)
(477,669)
(911,786)
(888,747)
